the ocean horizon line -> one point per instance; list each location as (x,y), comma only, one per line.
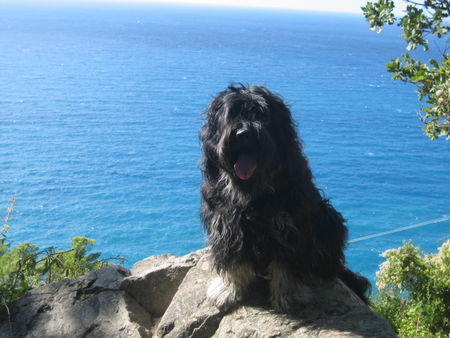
(245,5)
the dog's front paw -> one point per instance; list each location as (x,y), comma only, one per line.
(222,294)
(290,298)
(282,302)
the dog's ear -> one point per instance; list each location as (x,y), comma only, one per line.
(209,136)
(213,113)
(285,134)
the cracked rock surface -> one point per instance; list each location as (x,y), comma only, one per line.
(165,296)
(89,306)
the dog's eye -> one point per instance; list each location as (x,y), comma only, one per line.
(257,115)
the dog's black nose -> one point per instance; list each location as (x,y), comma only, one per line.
(244,139)
(242,134)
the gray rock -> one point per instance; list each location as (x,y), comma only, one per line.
(358,321)
(189,314)
(88,306)
(335,311)
(155,280)
(165,296)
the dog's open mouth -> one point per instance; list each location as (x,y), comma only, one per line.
(245,166)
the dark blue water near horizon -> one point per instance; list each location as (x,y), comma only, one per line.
(100,109)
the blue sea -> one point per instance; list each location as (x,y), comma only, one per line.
(100,108)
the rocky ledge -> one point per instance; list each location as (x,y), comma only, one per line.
(165,296)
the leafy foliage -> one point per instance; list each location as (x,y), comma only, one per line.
(26,266)
(429,18)
(414,291)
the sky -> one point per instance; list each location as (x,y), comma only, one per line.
(345,6)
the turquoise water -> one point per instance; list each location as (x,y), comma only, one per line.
(100,109)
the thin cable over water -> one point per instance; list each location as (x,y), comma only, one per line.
(433,221)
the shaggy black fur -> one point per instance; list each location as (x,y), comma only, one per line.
(259,203)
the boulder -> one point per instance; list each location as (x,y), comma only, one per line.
(335,311)
(88,306)
(165,296)
(154,281)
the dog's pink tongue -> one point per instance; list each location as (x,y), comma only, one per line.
(245,166)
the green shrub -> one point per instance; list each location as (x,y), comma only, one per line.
(26,266)
(414,291)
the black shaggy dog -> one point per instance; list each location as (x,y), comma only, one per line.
(260,208)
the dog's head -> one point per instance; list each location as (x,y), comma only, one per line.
(248,136)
